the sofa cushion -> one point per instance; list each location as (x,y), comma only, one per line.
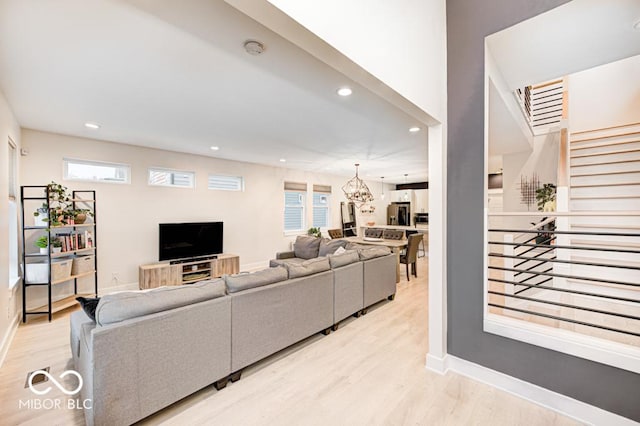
(373,251)
(355,246)
(306,247)
(125,305)
(346,258)
(283,262)
(244,281)
(328,246)
(308,267)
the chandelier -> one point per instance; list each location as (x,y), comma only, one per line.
(357,191)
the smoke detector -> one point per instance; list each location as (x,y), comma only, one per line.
(253,47)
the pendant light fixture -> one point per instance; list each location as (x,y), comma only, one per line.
(382,186)
(357,191)
(406,192)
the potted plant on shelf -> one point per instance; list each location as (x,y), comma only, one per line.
(43,243)
(60,205)
(56,245)
(80,215)
(315,232)
(41,216)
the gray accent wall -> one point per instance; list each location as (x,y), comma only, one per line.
(612,389)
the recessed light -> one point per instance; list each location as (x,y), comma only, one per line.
(345,91)
(283,160)
(92,126)
(215,148)
(414,129)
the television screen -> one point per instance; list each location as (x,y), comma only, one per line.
(185,240)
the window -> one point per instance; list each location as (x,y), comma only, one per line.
(96,171)
(321,198)
(175,178)
(226,183)
(294,201)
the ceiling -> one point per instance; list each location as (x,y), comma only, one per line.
(576,36)
(175,76)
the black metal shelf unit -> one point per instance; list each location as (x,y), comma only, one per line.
(88,198)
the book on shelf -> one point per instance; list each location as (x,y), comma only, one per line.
(78,240)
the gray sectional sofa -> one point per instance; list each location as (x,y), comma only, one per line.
(148,349)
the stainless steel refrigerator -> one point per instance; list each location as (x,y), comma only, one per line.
(399,213)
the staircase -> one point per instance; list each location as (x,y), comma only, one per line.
(543,105)
(604,176)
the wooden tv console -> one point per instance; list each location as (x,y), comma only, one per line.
(163,273)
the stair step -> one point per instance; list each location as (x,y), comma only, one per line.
(610,133)
(620,151)
(596,143)
(599,161)
(625,147)
(604,226)
(606,244)
(605,173)
(587,204)
(609,262)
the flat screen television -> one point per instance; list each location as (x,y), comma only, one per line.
(189,240)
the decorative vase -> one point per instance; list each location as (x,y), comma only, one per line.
(80,218)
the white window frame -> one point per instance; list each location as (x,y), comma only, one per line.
(326,206)
(172,172)
(302,206)
(238,179)
(124,167)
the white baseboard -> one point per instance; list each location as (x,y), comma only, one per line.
(8,338)
(437,365)
(562,404)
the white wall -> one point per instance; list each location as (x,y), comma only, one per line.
(608,95)
(9,300)
(128,215)
(402,43)
(543,161)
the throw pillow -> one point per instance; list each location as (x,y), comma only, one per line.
(328,246)
(239,282)
(306,247)
(340,250)
(89,305)
(343,259)
(308,267)
(372,252)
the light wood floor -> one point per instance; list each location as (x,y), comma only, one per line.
(370,372)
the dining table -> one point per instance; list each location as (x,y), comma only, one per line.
(396,247)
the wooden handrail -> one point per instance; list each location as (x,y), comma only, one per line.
(548,83)
(604,128)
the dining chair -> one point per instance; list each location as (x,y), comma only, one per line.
(411,254)
(411,232)
(393,234)
(335,233)
(373,232)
